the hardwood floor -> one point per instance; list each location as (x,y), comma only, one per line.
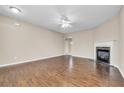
(61,72)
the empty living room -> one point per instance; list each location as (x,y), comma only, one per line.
(61,46)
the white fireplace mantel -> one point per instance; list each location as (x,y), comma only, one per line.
(112,45)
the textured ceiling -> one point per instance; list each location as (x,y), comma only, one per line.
(82,17)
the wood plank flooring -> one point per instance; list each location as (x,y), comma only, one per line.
(63,71)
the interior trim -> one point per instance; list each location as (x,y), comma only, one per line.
(120,71)
(28,61)
(92,58)
(84,57)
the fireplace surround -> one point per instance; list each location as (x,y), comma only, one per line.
(113,45)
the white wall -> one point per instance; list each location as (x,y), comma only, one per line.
(113,30)
(27,42)
(82,44)
(121,52)
(109,32)
(84,41)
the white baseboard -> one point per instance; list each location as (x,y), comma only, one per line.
(110,64)
(83,57)
(28,61)
(120,71)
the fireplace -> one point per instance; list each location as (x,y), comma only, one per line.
(103,54)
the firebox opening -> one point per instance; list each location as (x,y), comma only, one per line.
(103,54)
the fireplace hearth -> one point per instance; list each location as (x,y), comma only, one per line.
(103,54)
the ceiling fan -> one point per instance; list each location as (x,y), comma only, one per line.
(64,22)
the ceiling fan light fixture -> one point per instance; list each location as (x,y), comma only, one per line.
(14,9)
(65,22)
(65,25)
